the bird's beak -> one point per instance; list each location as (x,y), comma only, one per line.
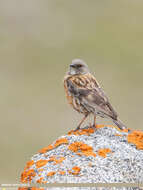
(72,65)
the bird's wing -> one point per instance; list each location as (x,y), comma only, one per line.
(94,97)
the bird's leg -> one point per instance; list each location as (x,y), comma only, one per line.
(94,124)
(78,127)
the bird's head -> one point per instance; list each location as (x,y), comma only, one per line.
(78,67)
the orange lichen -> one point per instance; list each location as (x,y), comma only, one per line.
(72,132)
(40,180)
(51,159)
(61,141)
(75,170)
(92,130)
(29,164)
(90,164)
(60,160)
(136,137)
(125,130)
(118,135)
(62,172)
(101,126)
(103,152)
(41,163)
(83,149)
(79,154)
(82,131)
(51,173)
(30,188)
(57,143)
(26,176)
(56,161)
(112,126)
(40,170)
(44,150)
(74,147)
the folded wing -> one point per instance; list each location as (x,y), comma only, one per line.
(95,98)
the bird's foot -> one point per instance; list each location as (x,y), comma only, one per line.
(94,125)
(78,128)
(90,125)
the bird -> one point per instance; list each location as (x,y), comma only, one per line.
(85,95)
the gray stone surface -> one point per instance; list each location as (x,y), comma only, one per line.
(123,164)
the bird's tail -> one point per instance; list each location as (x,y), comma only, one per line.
(119,124)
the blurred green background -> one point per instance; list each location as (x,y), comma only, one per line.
(38,40)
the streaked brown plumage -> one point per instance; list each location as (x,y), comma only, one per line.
(86,96)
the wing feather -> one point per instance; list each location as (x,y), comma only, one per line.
(93,97)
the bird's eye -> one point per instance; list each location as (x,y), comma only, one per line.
(72,65)
(79,66)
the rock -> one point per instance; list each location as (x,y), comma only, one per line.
(102,155)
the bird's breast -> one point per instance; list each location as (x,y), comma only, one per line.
(74,101)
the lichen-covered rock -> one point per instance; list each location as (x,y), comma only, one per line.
(102,155)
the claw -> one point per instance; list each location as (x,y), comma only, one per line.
(78,128)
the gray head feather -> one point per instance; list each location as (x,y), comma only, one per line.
(78,66)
